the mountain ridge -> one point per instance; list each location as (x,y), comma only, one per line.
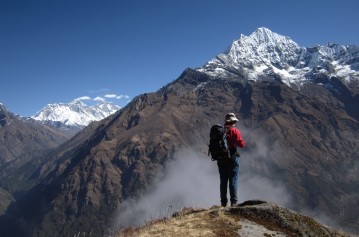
(268,54)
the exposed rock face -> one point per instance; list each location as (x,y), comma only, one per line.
(5,199)
(249,219)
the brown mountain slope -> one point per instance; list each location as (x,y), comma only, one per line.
(249,219)
(307,143)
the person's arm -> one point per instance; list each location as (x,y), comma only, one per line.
(239,139)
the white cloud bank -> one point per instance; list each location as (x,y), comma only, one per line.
(98,98)
(118,97)
(83,98)
(110,96)
(103,98)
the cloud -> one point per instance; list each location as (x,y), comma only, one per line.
(98,98)
(83,98)
(190,180)
(118,97)
(122,96)
(110,96)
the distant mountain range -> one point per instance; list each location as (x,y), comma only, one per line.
(298,110)
(75,114)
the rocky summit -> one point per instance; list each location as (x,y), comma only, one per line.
(302,139)
(249,219)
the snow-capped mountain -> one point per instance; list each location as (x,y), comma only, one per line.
(75,113)
(265,53)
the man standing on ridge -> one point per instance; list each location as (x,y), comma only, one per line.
(229,168)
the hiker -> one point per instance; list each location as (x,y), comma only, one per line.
(229,168)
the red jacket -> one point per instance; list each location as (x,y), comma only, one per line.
(234,137)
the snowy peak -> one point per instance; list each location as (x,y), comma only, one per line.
(261,47)
(269,47)
(75,113)
(2,107)
(265,39)
(3,115)
(265,54)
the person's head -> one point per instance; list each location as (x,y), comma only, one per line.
(230,118)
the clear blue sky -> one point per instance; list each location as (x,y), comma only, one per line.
(55,51)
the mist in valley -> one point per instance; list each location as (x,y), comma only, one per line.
(192,180)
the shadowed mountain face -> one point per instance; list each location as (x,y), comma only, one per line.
(305,139)
(23,140)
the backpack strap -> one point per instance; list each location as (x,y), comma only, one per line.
(232,150)
(225,130)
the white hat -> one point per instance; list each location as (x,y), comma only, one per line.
(230,117)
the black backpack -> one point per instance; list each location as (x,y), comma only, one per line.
(218,148)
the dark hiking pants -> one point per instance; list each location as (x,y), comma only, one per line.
(228,173)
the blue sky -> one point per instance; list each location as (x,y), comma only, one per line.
(54,51)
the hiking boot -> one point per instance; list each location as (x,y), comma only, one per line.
(233,204)
(223,204)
